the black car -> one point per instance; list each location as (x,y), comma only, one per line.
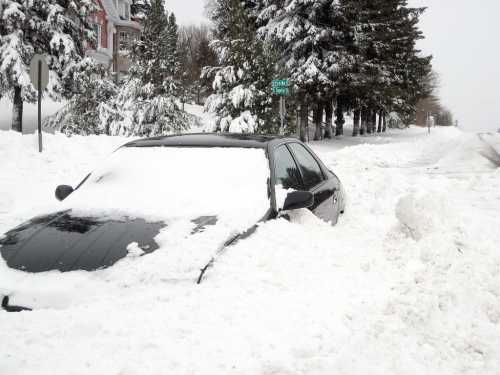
(226,184)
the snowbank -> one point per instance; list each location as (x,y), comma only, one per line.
(368,296)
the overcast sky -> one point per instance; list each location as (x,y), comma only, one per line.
(463,36)
(464,39)
(187,11)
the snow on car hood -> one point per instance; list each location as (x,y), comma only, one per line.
(176,186)
(183,249)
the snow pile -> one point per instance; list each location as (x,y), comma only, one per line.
(421,214)
(367,296)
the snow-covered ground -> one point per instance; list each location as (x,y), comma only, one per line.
(30,114)
(408,282)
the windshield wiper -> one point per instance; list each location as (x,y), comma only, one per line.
(233,240)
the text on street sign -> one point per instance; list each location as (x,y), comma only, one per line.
(281,91)
(280,83)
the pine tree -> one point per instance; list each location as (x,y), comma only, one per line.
(204,56)
(194,54)
(56,28)
(409,68)
(139,9)
(147,103)
(388,70)
(241,101)
(307,36)
(94,89)
(359,54)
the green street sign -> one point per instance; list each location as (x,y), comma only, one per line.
(280,83)
(283,91)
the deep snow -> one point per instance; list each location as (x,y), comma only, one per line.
(408,282)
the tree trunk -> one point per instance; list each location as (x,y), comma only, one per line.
(17,110)
(339,118)
(364,117)
(374,121)
(329,119)
(318,119)
(384,125)
(369,118)
(357,118)
(379,129)
(304,123)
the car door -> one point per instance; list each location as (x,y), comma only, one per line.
(324,189)
(286,174)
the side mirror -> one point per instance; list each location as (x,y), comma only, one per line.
(62,192)
(298,199)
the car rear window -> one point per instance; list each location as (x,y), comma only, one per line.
(158,182)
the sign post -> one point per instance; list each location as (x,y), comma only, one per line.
(429,122)
(281,87)
(39,74)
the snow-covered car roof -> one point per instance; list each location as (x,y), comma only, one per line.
(208,140)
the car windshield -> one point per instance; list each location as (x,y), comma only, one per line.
(169,182)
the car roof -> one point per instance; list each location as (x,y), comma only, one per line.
(209,140)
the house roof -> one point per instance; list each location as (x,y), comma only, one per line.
(128,23)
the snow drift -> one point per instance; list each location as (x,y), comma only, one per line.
(297,297)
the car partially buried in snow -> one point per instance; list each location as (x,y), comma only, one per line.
(187,196)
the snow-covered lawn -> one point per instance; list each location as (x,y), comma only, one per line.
(408,282)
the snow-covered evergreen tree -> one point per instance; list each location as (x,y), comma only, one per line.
(57,28)
(362,52)
(304,32)
(14,57)
(147,103)
(94,90)
(408,67)
(241,101)
(139,9)
(389,71)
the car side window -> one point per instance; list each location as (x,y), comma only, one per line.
(286,171)
(311,171)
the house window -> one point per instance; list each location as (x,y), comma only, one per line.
(124,41)
(97,34)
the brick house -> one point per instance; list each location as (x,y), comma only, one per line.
(116,30)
